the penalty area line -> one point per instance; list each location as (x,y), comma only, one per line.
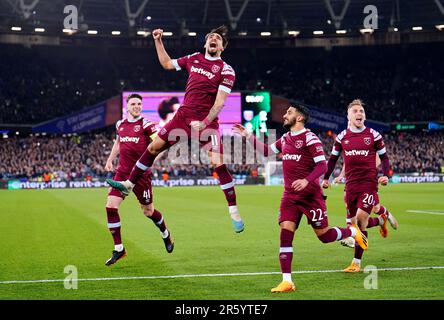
(209,275)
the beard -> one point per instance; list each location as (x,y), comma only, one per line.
(287,125)
(212,51)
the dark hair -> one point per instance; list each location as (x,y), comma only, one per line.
(303,110)
(166,106)
(133,95)
(222,31)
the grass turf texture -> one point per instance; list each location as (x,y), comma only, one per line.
(42,231)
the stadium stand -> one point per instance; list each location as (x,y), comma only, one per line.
(40,83)
(80,157)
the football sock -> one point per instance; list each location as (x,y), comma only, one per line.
(227,184)
(382,210)
(358,250)
(373,222)
(158,220)
(286,253)
(165,233)
(287,277)
(142,165)
(335,234)
(348,219)
(114,225)
(234,213)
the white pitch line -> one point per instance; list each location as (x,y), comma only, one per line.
(210,275)
(440,213)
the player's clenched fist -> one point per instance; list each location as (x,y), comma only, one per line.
(109,166)
(157,34)
(383,180)
(325,184)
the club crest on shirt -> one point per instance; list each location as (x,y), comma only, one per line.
(196,61)
(137,128)
(367,141)
(298,143)
(215,68)
(346,141)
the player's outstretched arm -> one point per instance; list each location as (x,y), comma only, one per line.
(113,155)
(258,145)
(163,56)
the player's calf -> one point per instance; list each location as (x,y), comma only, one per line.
(159,222)
(334,234)
(227,185)
(391,219)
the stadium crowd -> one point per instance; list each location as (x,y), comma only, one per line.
(80,157)
(83,157)
(43,82)
(397,84)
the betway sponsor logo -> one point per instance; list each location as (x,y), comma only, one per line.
(201,71)
(357,153)
(295,157)
(129,139)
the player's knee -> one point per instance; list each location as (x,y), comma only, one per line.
(148,212)
(376,208)
(152,149)
(289,226)
(111,203)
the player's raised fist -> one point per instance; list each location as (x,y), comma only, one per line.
(240,129)
(383,180)
(325,184)
(157,34)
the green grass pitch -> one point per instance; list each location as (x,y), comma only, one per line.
(42,231)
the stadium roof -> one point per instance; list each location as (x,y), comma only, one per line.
(248,16)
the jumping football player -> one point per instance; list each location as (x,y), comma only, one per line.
(133,136)
(210,81)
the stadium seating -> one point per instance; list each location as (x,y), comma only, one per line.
(395,82)
(80,157)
